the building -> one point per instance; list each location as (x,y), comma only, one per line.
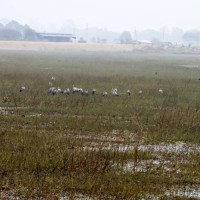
(56,37)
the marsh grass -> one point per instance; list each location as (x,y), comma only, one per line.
(56,146)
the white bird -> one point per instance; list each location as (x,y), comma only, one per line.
(51,89)
(50,84)
(75,89)
(59,90)
(104,94)
(53,78)
(140,92)
(160,91)
(66,91)
(93,91)
(22,89)
(114,92)
(54,92)
(80,90)
(129,92)
(85,92)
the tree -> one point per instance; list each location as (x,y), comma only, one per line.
(7,34)
(1,26)
(30,35)
(104,40)
(192,36)
(155,41)
(125,38)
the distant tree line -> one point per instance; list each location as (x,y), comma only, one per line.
(126,38)
(15,31)
(192,36)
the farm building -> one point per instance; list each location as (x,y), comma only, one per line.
(56,37)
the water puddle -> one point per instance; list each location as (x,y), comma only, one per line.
(186,191)
(178,147)
(146,165)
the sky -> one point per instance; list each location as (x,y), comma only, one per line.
(114,15)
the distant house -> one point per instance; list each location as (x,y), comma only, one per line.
(56,37)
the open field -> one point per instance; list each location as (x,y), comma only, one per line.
(92,147)
(81,47)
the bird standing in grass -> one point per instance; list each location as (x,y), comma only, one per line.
(50,84)
(53,78)
(104,94)
(114,92)
(51,89)
(93,91)
(66,91)
(129,92)
(160,91)
(54,92)
(59,90)
(22,89)
(140,92)
(75,89)
(84,92)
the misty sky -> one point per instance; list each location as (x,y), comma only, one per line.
(115,15)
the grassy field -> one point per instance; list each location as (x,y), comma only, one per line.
(92,147)
(94,47)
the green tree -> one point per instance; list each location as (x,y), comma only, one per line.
(30,35)
(8,34)
(125,38)
(192,36)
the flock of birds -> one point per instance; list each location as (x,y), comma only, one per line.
(53,90)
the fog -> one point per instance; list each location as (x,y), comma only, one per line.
(50,15)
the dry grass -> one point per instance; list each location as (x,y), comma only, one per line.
(51,46)
(79,47)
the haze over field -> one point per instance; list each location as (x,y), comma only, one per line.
(97,21)
(114,15)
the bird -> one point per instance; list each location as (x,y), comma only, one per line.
(22,89)
(104,94)
(50,84)
(93,91)
(66,91)
(53,78)
(156,73)
(59,90)
(128,92)
(75,89)
(54,92)
(140,92)
(85,92)
(51,89)
(114,92)
(160,91)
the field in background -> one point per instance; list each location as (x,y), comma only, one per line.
(53,46)
(90,147)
